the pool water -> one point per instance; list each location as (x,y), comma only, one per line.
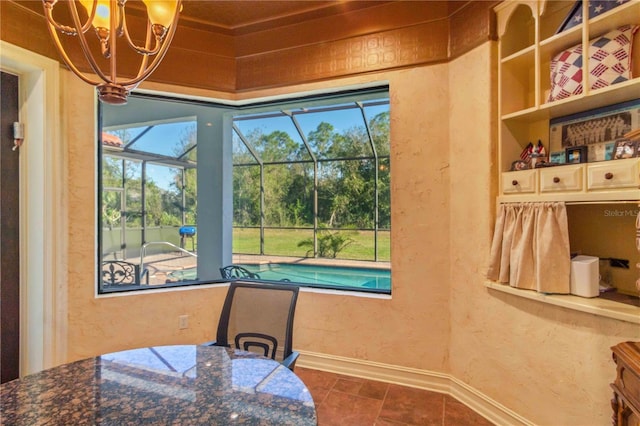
(338,276)
(315,275)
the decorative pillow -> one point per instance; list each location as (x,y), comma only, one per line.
(609,63)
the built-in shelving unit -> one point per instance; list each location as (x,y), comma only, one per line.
(528,42)
(529,38)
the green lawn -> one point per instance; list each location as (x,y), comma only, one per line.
(284,242)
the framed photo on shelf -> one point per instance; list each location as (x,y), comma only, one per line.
(624,148)
(558,157)
(600,152)
(596,129)
(576,154)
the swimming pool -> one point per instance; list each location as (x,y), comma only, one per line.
(326,276)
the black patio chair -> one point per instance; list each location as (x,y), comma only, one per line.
(234,272)
(258,317)
(119,273)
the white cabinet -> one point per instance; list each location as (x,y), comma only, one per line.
(602,181)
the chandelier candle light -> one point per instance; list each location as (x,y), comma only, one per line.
(107,18)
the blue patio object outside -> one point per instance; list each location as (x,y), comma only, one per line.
(187,231)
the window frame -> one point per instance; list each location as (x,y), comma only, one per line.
(232,110)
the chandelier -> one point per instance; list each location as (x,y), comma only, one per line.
(107,19)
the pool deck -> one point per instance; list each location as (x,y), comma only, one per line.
(160,265)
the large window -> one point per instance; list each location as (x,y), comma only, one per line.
(295,191)
(313,182)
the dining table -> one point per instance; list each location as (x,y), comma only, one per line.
(161,385)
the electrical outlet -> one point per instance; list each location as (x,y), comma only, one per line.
(183,322)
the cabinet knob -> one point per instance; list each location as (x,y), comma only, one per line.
(556,179)
(514,182)
(608,176)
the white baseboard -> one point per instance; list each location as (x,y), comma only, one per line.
(422,379)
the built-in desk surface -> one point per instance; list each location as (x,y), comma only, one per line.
(184,385)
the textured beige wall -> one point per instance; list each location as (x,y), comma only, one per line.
(549,364)
(412,328)
(367,328)
(100,325)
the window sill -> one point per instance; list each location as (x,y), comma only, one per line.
(595,306)
(162,289)
(353,293)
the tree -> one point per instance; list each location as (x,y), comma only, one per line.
(246,195)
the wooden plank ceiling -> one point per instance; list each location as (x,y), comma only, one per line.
(242,45)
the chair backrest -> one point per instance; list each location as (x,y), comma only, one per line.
(258,317)
(120,273)
(233,272)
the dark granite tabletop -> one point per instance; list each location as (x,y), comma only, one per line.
(176,385)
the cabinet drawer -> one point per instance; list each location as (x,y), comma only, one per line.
(613,174)
(561,178)
(519,182)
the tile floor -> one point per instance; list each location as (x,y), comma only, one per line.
(351,401)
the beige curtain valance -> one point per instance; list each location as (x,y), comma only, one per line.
(530,248)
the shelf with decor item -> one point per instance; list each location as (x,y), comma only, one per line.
(539,54)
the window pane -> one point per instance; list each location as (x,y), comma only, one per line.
(359,245)
(163,196)
(246,240)
(384,194)
(246,196)
(153,143)
(297,166)
(133,194)
(336,132)
(241,154)
(166,139)
(111,225)
(273,137)
(190,196)
(288,195)
(112,173)
(346,194)
(286,242)
(378,117)
(384,246)
(299,198)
